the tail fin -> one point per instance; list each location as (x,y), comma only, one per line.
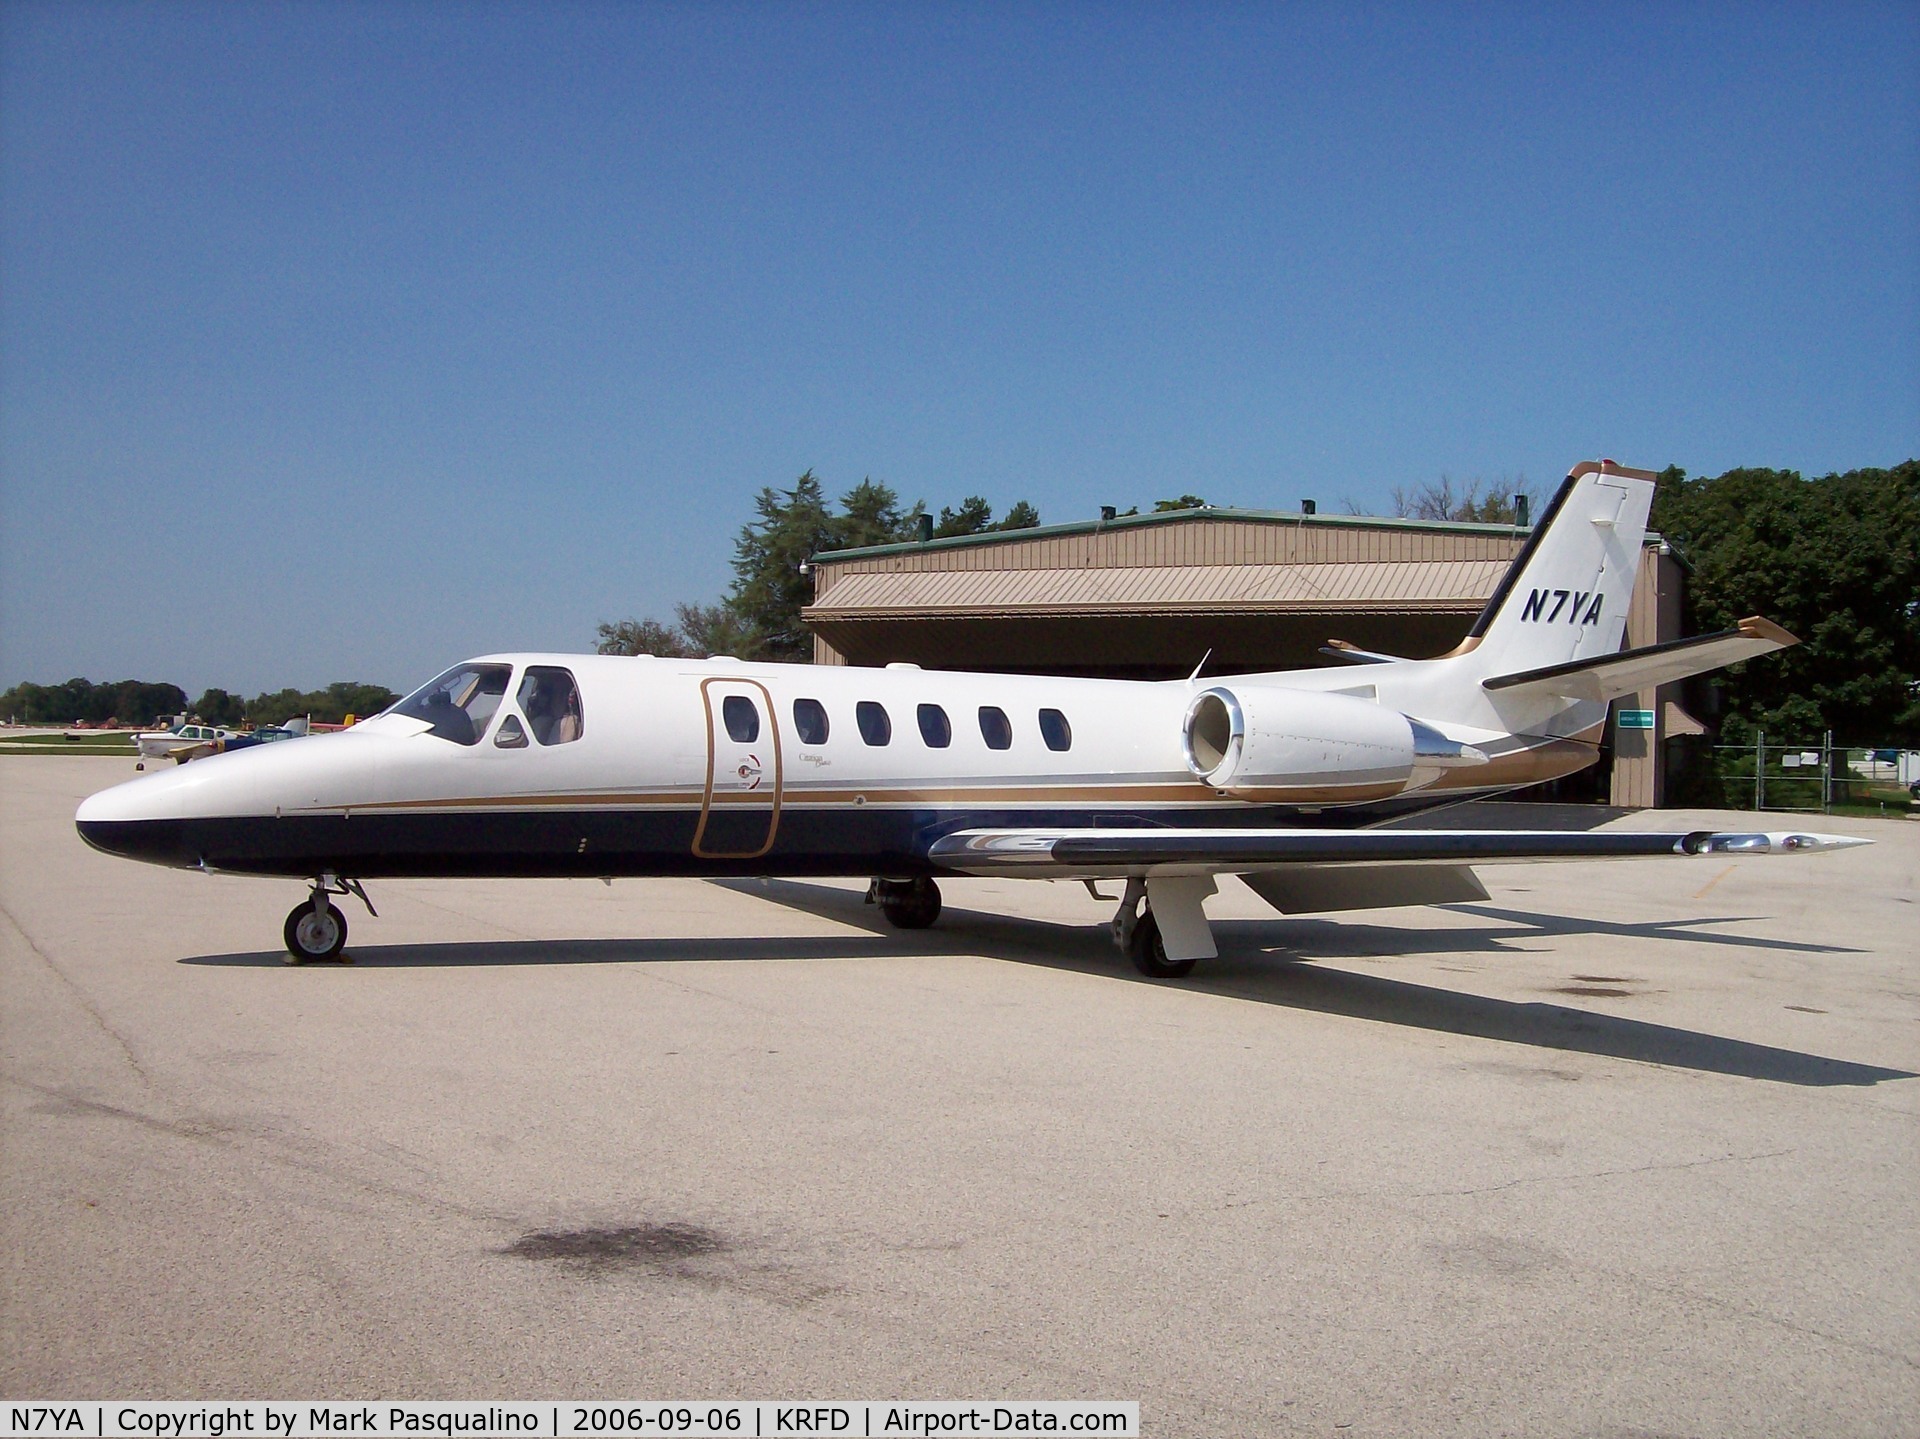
(1566,594)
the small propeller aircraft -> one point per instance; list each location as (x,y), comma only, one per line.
(599,765)
(188,740)
(179,742)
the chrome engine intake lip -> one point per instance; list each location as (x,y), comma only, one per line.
(1213,734)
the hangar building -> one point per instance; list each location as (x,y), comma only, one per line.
(1146,596)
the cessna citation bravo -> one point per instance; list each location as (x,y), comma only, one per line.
(576,765)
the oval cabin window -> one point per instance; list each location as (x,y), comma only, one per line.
(1055,730)
(810,721)
(934,727)
(742,720)
(875,727)
(995,728)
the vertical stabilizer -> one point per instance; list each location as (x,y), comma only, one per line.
(1566,595)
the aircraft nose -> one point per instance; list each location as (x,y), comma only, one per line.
(141,819)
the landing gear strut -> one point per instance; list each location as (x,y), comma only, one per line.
(1138,933)
(907,903)
(316,930)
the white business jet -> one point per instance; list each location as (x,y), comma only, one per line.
(599,765)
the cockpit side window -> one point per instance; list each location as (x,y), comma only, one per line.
(551,702)
(459,703)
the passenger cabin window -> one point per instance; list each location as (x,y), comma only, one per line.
(934,727)
(459,703)
(551,702)
(741,718)
(995,728)
(810,721)
(875,727)
(1055,730)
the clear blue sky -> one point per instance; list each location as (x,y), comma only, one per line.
(340,341)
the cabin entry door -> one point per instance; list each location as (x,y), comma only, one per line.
(740,810)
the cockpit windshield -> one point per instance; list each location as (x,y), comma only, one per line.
(460,702)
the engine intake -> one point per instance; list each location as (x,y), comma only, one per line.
(1298,746)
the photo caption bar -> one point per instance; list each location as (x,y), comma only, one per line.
(561,1419)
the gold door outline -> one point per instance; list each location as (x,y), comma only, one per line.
(706,799)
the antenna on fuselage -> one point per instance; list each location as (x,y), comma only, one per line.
(1202,665)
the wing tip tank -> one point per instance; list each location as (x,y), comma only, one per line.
(1766,842)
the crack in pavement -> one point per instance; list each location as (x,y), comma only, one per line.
(86,1002)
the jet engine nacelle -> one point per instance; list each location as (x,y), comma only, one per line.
(1265,743)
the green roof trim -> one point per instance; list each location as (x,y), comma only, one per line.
(1163,517)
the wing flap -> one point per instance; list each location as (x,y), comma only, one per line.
(1631,670)
(1324,888)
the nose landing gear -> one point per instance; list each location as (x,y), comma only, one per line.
(316,930)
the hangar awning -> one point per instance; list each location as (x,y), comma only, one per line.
(1396,587)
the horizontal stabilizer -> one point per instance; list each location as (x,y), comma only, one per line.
(1101,853)
(1323,888)
(1611,676)
(1354,655)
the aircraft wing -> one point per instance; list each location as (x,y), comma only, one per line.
(1114,853)
(1630,670)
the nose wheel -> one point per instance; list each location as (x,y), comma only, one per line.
(316,930)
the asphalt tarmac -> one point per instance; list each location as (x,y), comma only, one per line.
(1629,1149)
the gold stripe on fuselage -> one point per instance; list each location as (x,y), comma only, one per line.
(1522,760)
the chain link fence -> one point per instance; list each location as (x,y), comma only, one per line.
(1809,777)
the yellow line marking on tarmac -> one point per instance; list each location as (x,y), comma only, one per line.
(1701,893)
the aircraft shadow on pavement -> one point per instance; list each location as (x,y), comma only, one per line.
(1259,961)
(1248,968)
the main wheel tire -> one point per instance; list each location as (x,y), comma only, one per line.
(910,904)
(1149,952)
(312,936)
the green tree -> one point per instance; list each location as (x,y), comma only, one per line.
(362,701)
(329,706)
(220,708)
(1474,500)
(1185,502)
(768,587)
(714,630)
(643,637)
(130,702)
(1837,561)
(973,516)
(760,616)
(870,514)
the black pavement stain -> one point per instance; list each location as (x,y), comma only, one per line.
(605,1249)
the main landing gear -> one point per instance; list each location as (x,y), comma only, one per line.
(316,930)
(1161,926)
(907,903)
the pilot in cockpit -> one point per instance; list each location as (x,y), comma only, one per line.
(448,719)
(551,701)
